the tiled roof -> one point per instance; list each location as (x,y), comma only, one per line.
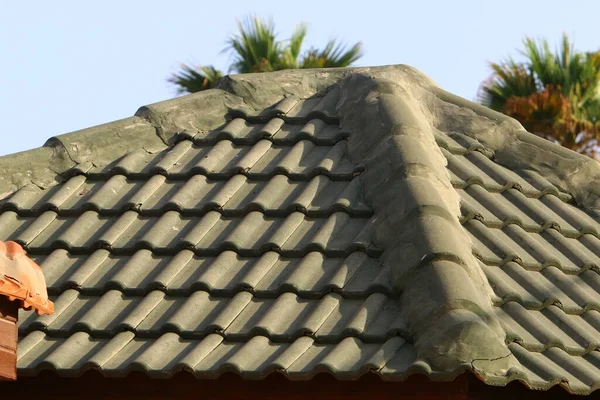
(342,221)
(541,255)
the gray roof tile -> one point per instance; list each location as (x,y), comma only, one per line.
(554,365)
(551,327)
(339,221)
(278,195)
(238,316)
(210,356)
(247,247)
(241,131)
(540,254)
(301,160)
(211,233)
(538,289)
(475,168)
(312,275)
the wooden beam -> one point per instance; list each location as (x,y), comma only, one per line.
(230,387)
(8,339)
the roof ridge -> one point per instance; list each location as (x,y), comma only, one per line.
(38,167)
(446,297)
(156,125)
(104,143)
(153,128)
(98,145)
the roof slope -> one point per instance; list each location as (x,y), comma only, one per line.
(340,220)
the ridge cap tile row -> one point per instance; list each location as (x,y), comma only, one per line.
(295,108)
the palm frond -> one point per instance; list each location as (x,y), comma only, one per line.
(293,47)
(192,80)
(554,95)
(333,55)
(255,47)
(508,80)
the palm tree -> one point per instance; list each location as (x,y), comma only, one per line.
(556,96)
(256,49)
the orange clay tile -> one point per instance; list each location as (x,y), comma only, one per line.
(22,280)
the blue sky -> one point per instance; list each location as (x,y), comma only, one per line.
(68,65)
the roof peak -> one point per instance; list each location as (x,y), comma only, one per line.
(504,137)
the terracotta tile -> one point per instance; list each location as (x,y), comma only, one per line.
(22,279)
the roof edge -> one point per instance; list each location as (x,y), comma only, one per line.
(445,295)
(190,114)
(274,86)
